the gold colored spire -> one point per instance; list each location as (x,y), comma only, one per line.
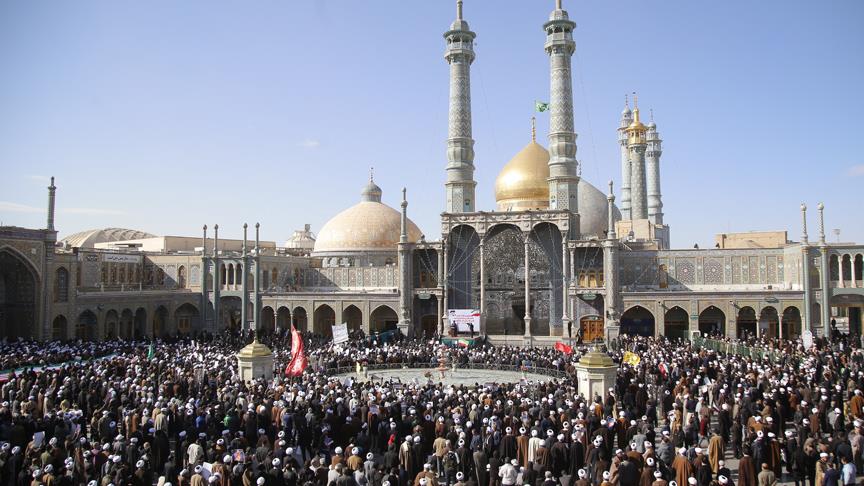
(534,129)
(636,130)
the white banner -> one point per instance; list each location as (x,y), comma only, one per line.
(807,338)
(340,333)
(465,320)
(119,258)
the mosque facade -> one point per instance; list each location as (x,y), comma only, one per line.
(555,259)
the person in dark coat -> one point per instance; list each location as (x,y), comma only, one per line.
(628,473)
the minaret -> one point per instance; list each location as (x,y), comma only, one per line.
(52,189)
(563,171)
(610,210)
(406,289)
(636,146)
(460,146)
(652,173)
(626,119)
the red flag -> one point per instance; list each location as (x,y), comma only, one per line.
(298,357)
(559,346)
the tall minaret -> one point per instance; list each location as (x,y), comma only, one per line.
(563,170)
(626,119)
(52,190)
(460,146)
(652,173)
(636,146)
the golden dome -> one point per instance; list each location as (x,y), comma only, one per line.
(522,183)
(369,225)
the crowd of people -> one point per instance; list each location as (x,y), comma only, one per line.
(176,413)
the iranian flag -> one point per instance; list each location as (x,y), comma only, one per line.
(298,361)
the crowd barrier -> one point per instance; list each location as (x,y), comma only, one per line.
(470,366)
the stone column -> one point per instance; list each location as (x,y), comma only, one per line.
(444,318)
(406,273)
(256,283)
(244,272)
(527,287)
(565,280)
(482,284)
(217,280)
(441,291)
(840,284)
(826,291)
(805,272)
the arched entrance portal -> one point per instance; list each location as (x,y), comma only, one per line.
(141,323)
(429,325)
(712,322)
(301,319)
(160,321)
(283,318)
(268,320)
(58,328)
(353,317)
(230,312)
(745,323)
(85,328)
(769,322)
(592,328)
(383,319)
(791,323)
(17,296)
(127,324)
(637,321)
(676,323)
(323,320)
(187,319)
(112,321)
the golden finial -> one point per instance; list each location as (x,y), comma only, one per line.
(534,129)
(635,109)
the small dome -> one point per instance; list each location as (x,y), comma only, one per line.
(522,183)
(89,238)
(371,193)
(368,226)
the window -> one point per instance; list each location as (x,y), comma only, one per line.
(61,290)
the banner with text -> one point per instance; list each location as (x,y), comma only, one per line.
(340,333)
(119,258)
(465,320)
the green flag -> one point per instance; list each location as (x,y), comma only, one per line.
(541,106)
(151,351)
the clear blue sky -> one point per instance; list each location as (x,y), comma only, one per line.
(165,115)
